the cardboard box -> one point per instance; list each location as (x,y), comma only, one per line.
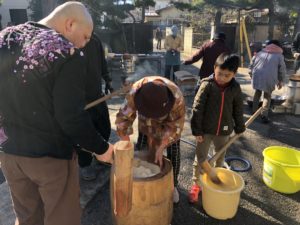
(186,82)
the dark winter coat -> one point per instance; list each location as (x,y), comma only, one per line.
(296,49)
(208,52)
(43,95)
(96,71)
(217,110)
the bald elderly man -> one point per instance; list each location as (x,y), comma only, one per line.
(42,99)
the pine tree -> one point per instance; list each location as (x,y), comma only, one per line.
(143,4)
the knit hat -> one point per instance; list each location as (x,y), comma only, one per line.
(154,100)
(275,42)
(220,35)
(174,30)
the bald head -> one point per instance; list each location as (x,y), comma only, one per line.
(72,10)
(73,21)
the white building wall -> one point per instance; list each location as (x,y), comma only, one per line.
(170,13)
(163,3)
(12,4)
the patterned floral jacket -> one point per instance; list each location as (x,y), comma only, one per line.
(43,92)
(166,128)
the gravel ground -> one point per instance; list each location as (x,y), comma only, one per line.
(259,205)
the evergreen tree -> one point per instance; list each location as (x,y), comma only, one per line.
(294,12)
(105,13)
(35,7)
(143,4)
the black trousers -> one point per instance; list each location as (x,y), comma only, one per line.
(101,121)
(168,69)
(158,46)
(296,65)
(173,154)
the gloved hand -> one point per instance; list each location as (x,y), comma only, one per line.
(174,52)
(296,55)
(108,88)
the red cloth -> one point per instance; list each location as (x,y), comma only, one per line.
(272,48)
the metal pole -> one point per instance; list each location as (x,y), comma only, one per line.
(239,27)
(246,39)
(241,43)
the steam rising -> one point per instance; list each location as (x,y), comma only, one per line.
(141,71)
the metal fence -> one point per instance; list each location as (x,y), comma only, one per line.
(129,38)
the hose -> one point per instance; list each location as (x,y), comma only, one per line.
(245,162)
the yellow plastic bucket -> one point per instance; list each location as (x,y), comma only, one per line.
(222,201)
(281,171)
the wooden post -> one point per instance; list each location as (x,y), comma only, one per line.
(241,44)
(246,39)
(123,177)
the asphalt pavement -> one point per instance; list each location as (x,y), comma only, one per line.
(259,204)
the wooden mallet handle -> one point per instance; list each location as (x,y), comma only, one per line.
(106,97)
(233,139)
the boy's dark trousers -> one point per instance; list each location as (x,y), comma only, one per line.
(173,154)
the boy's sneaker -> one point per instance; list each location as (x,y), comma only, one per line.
(194,193)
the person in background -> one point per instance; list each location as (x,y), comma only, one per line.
(267,69)
(173,46)
(158,37)
(209,52)
(0,22)
(296,51)
(217,111)
(96,72)
(42,100)
(160,106)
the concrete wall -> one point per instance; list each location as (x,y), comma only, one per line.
(170,13)
(188,40)
(260,33)
(12,4)
(163,3)
(166,16)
